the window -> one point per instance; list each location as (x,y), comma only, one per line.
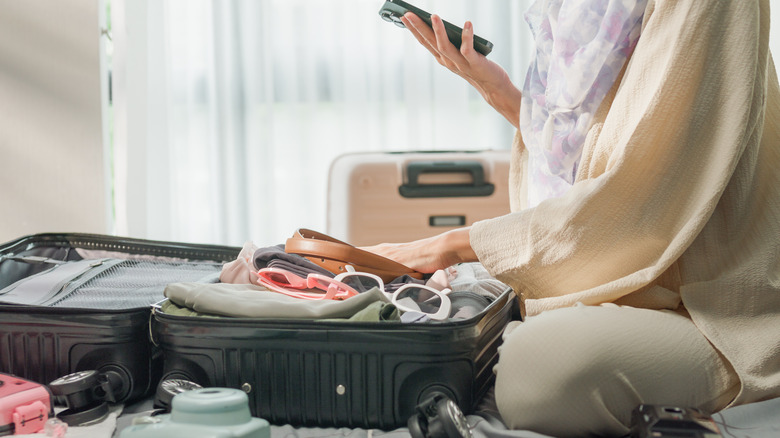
(228,113)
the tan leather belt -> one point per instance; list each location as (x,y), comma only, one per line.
(334,255)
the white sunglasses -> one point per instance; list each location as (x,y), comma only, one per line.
(408,298)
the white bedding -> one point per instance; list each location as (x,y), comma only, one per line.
(757,420)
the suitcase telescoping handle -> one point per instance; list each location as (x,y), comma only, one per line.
(477,186)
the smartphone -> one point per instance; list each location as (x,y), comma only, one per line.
(393,10)
(653,421)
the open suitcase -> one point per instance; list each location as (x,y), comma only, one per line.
(377,197)
(337,373)
(305,373)
(75,302)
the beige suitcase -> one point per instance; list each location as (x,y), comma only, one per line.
(380,197)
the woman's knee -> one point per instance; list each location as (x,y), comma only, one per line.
(582,370)
(552,376)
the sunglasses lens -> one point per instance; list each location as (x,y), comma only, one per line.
(361,283)
(419,298)
(277,278)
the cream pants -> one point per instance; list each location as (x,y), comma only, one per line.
(580,371)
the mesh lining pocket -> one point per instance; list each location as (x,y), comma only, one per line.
(132,283)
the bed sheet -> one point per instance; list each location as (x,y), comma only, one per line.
(756,420)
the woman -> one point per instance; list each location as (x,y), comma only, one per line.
(644,238)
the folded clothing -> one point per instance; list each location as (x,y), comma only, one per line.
(474,278)
(250,301)
(275,257)
(473,290)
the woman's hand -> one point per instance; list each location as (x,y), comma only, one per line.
(489,78)
(431,254)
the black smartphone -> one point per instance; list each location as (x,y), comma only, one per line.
(653,421)
(393,10)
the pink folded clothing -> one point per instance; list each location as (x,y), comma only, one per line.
(242,269)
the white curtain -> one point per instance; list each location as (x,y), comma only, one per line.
(244,104)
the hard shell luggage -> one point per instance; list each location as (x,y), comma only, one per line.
(380,197)
(337,373)
(74,302)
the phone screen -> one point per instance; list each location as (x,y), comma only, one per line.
(393,10)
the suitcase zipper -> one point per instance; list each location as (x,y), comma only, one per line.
(134,249)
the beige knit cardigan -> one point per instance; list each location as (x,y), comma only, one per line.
(677,198)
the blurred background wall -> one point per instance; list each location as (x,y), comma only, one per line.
(52,174)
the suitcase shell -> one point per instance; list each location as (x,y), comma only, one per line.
(42,343)
(403,196)
(340,374)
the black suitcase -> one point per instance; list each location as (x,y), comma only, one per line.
(333,373)
(103,324)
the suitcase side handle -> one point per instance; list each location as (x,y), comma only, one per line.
(477,186)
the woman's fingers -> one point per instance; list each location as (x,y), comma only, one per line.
(467,46)
(457,62)
(435,40)
(422,32)
(466,62)
(432,253)
(487,77)
(443,42)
